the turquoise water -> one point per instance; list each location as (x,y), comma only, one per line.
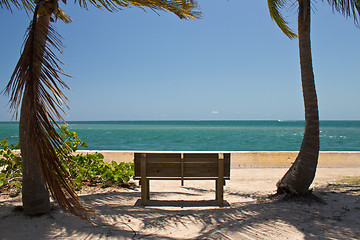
(206,135)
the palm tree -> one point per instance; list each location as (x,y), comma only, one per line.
(36,86)
(298,178)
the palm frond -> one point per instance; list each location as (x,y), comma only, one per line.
(7,4)
(37,74)
(27,5)
(63,16)
(184,9)
(110,5)
(275,7)
(348,8)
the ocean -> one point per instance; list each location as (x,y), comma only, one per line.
(205,135)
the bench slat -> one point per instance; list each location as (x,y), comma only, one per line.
(206,165)
(163,169)
(174,169)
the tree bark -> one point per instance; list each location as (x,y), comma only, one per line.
(299,177)
(35,195)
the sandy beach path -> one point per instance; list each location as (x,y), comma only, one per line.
(190,212)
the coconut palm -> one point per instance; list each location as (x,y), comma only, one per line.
(298,178)
(36,86)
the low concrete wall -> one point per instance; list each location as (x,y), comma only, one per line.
(285,159)
(259,159)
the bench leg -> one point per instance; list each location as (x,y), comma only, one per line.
(220,180)
(216,189)
(148,189)
(220,192)
(144,191)
(144,182)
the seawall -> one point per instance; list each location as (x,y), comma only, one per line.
(257,159)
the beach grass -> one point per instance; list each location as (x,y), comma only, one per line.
(349,180)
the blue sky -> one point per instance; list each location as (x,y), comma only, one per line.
(233,64)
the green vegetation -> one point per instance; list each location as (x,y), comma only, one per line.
(10,166)
(345,184)
(87,168)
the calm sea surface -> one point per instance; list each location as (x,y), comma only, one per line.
(205,135)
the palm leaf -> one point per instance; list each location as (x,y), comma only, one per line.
(184,9)
(28,5)
(63,16)
(349,8)
(275,6)
(43,84)
(6,4)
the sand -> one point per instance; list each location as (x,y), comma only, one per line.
(190,212)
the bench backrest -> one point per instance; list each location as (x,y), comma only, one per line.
(182,164)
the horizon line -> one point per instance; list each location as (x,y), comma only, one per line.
(191,120)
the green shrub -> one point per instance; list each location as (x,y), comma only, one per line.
(87,168)
(10,166)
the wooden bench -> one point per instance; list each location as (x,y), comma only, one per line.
(182,166)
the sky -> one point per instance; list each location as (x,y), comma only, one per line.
(232,64)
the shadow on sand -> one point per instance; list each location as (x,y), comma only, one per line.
(120,216)
(181,203)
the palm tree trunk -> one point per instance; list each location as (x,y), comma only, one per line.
(35,195)
(299,177)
